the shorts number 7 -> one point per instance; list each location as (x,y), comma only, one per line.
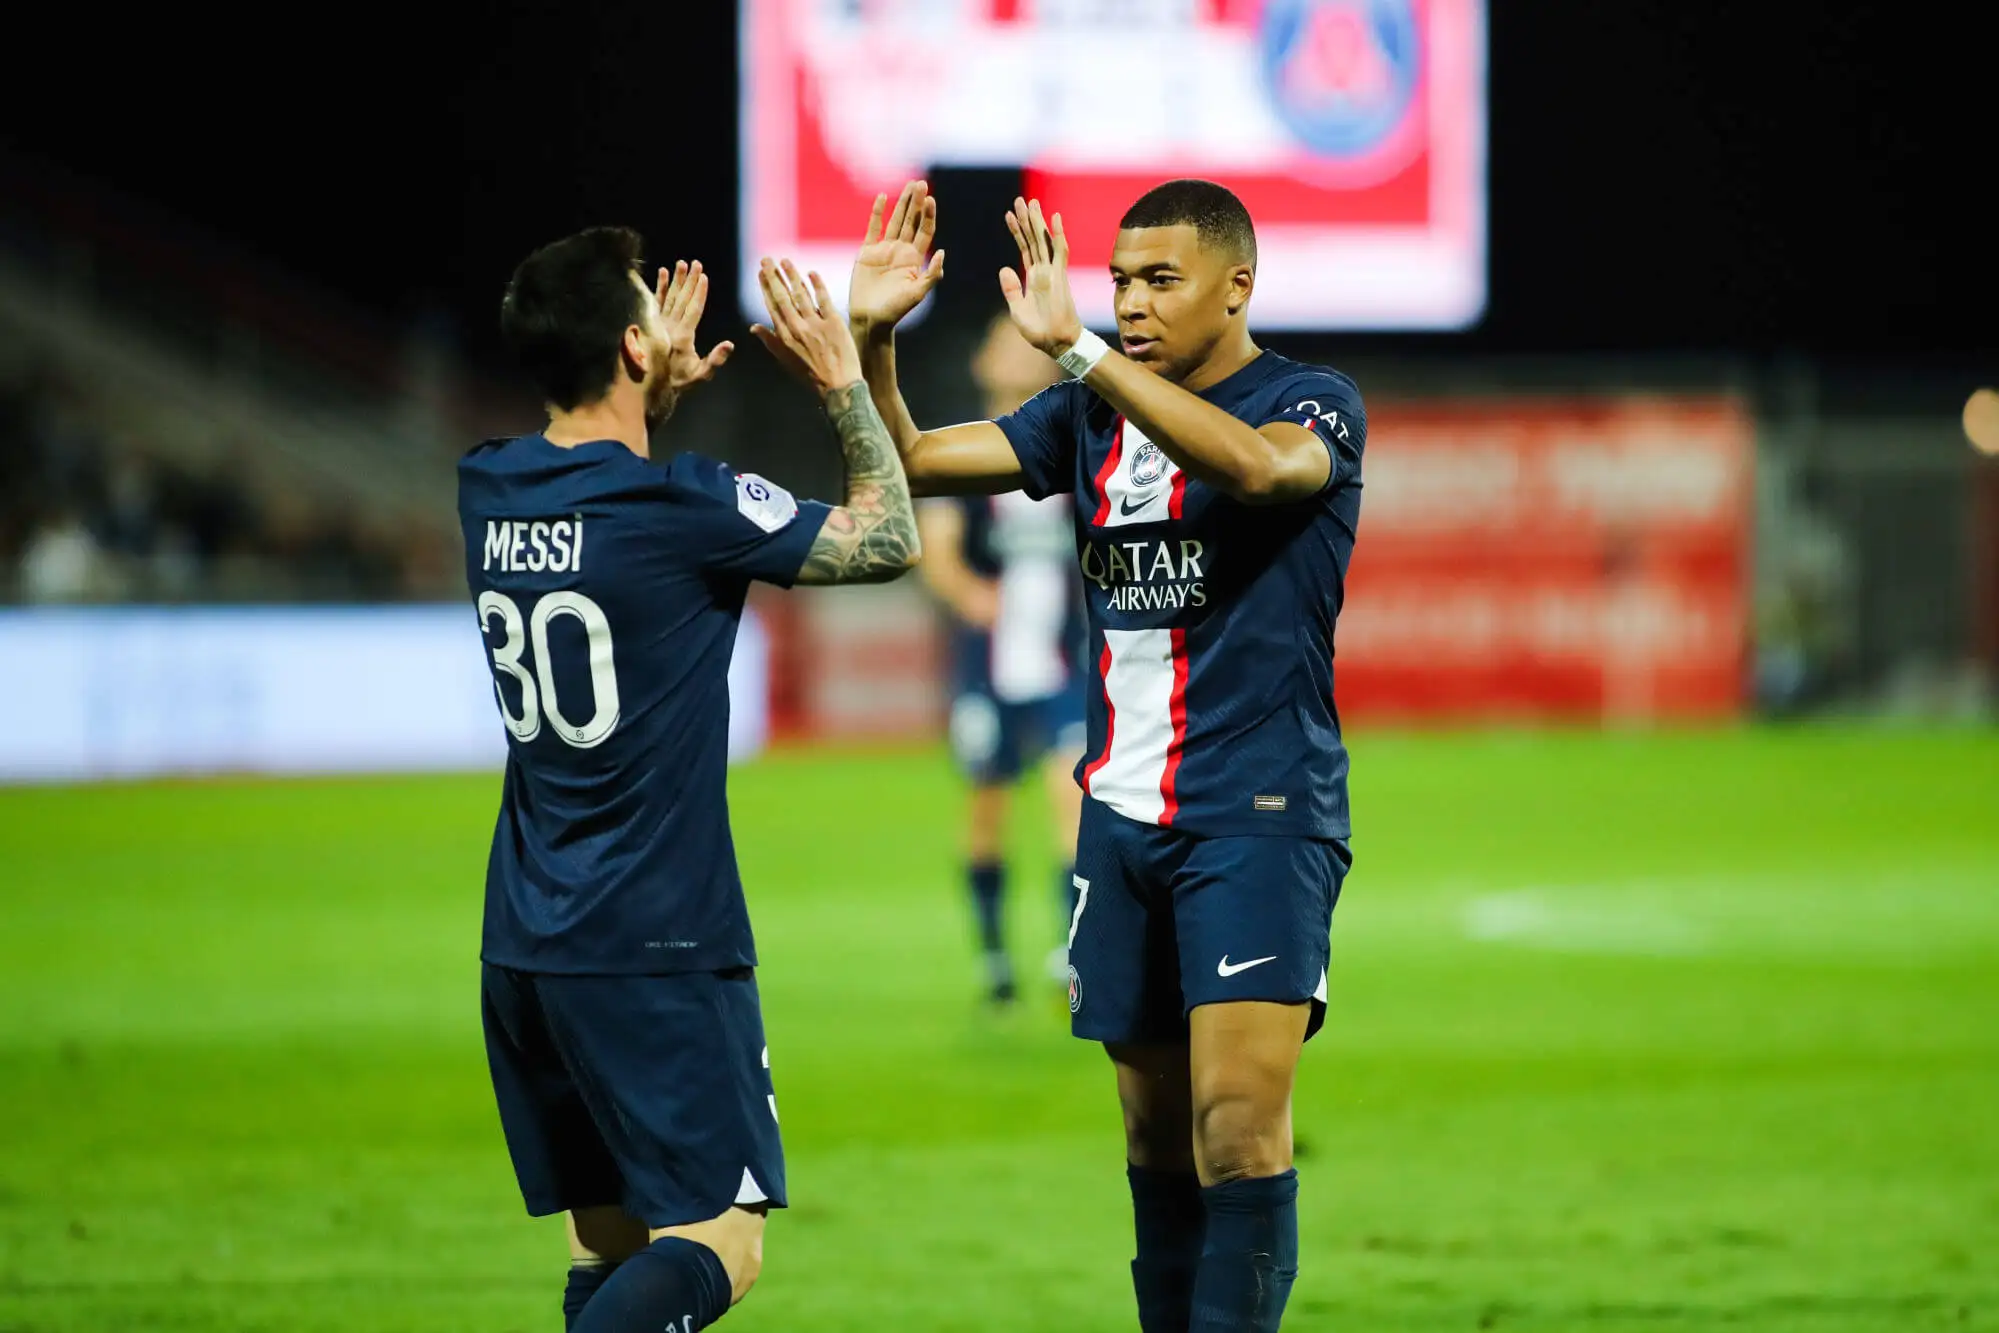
(1082,901)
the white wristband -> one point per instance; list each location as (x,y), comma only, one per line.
(1083,354)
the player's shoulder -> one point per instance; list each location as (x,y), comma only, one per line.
(701,480)
(1065,400)
(1290,380)
(527,471)
(497,469)
(699,477)
(532,455)
(490,455)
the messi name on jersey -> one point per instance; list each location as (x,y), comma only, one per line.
(534,546)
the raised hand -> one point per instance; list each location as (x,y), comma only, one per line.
(1038,297)
(683,296)
(895,269)
(806,332)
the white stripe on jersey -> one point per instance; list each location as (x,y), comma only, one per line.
(1035,543)
(1139,688)
(1141,489)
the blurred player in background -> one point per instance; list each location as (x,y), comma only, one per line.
(623,1026)
(1217,492)
(1004,567)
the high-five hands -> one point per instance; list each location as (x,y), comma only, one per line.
(895,269)
(682,293)
(1038,297)
(806,332)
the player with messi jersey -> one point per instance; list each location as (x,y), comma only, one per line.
(1217,496)
(622,1022)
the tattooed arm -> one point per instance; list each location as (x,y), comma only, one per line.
(872,537)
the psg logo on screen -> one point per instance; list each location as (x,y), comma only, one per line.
(1342,75)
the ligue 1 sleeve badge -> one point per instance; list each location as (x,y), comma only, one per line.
(1343,76)
(764,503)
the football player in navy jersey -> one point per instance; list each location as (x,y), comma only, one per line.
(622,1022)
(1217,497)
(1003,568)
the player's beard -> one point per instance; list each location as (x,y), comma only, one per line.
(661,399)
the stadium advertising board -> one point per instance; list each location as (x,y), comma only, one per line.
(1574,560)
(1551,559)
(143,691)
(1354,130)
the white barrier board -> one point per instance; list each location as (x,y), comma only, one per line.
(144,691)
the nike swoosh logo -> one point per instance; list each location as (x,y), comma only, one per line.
(1127,508)
(1228,969)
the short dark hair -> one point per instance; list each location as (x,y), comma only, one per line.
(1212,210)
(566,311)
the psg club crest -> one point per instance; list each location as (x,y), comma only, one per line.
(1075,990)
(1147,464)
(1342,75)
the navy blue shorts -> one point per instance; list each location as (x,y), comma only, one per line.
(652,1093)
(994,742)
(1167,921)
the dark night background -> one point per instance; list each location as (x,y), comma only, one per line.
(1664,176)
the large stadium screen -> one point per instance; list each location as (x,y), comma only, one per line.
(1353,129)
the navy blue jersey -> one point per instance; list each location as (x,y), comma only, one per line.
(609,589)
(1034,648)
(1211,621)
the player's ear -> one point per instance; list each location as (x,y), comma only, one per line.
(634,354)
(1242,283)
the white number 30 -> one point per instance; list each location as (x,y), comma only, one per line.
(539,699)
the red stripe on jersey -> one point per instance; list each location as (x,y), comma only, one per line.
(1179,496)
(1006,11)
(1105,473)
(1110,716)
(1178,711)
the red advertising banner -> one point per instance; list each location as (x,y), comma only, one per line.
(1532,559)
(1551,559)
(859,665)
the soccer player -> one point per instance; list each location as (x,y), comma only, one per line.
(622,1022)
(1217,493)
(1003,567)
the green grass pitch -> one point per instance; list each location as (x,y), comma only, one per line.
(1629,1033)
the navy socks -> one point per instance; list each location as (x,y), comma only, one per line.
(674,1283)
(988,882)
(1170,1223)
(1250,1256)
